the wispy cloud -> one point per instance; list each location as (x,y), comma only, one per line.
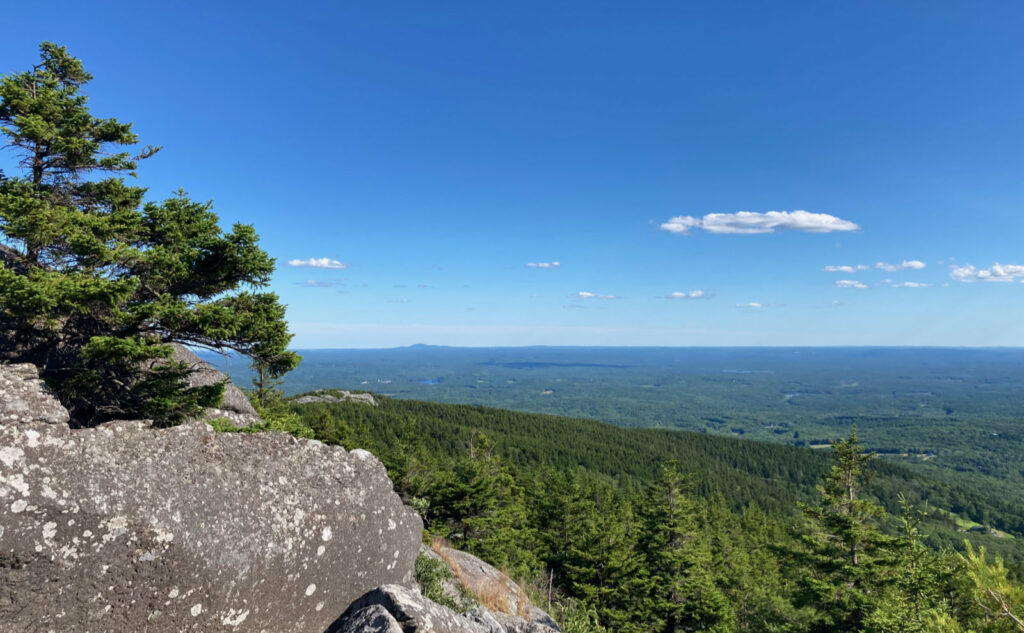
(320,283)
(317,262)
(543,264)
(747,222)
(850,283)
(845,269)
(911,264)
(590,295)
(904,284)
(692,294)
(752,305)
(997,272)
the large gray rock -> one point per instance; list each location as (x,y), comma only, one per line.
(123,527)
(25,398)
(336,395)
(235,406)
(408,608)
(371,619)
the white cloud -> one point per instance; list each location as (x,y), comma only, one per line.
(845,269)
(317,262)
(747,222)
(905,284)
(590,295)
(850,283)
(750,304)
(912,264)
(693,294)
(320,283)
(998,272)
(543,265)
(681,224)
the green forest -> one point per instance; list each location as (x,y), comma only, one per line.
(952,409)
(654,530)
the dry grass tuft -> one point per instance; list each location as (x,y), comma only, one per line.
(495,594)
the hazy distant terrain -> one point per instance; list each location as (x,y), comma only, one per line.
(956,408)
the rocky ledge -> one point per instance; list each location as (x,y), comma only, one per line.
(336,395)
(124,527)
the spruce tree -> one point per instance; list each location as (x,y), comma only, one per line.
(96,282)
(482,508)
(683,593)
(845,554)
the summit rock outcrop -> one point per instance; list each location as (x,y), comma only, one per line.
(124,527)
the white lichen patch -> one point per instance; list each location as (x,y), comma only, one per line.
(173,593)
(11,454)
(17,483)
(320,550)
(326,534)
(33,438)
(311,589)
(234,617)
(196,609)
(116,526)
(19,506)
(49,531)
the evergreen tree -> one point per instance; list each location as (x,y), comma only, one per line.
(591,536)
(913,601)
(1001,601)
(481,508)
(95,283)
(845,554)
(683,593)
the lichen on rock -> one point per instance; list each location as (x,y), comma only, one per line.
(123,527)
(26,398)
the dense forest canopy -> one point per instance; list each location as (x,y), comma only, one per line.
(652,530)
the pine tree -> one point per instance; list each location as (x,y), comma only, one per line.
(95,283)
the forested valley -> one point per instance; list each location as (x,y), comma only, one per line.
(652,530)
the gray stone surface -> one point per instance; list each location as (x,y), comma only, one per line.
(413,612)
(123,527)
(336,395)
(235,406)
(26,398)
(516,624)
(537,615)
(371,619)
(485,619)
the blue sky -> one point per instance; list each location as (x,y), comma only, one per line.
(431,152)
